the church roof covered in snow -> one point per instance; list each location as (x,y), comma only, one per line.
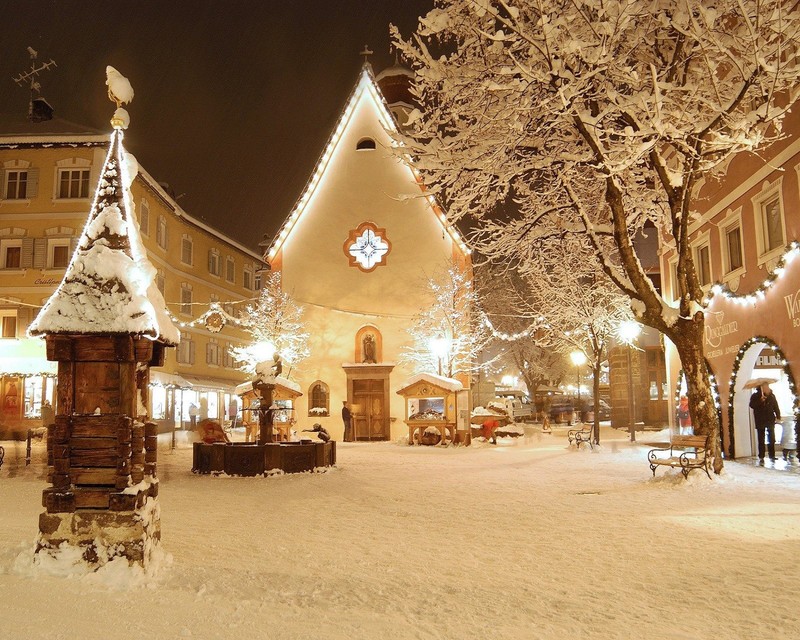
(109,285)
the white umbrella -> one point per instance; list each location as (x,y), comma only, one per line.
(757,382)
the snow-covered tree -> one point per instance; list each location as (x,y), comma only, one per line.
(448,335)
(592,117)
(276,326)
(573,307)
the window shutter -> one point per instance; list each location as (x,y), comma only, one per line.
(191,351)
(26,260)
(3,184)
(39,253)
(211,262)
(33,183)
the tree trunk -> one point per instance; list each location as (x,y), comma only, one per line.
(688,336)
(596,395)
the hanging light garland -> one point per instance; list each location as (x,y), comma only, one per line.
(717,289)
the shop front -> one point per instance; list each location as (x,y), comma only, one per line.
(754,336)
(27,387)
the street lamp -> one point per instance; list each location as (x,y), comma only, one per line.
(439,347)
(578,359)
(628,331)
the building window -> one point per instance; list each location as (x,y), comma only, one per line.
(257,281)
(186,250)
(186,299)
(58,253)
(213,353)
(144,217)
(230,269)
(733,248)
(702,261)
(11,254)
(772,225)
(318,399)
(161,281)
(185,353)
(365,144)
(214,262)
(16,185)
(228,360)
(247,279)
(161,232)
(8,323)
(73,183)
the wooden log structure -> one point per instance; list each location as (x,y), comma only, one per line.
(102,455)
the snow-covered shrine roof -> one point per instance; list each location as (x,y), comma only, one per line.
(368,85)
(448,384)
(109,285)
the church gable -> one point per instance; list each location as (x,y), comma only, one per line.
(359,181)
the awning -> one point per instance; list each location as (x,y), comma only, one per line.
(164,379)
(200,383)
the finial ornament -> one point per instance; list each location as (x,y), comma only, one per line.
(366,53)
(120,92)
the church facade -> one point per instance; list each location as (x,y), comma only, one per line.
(355,252)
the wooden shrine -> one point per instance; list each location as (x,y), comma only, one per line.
(99,454)
(432,410)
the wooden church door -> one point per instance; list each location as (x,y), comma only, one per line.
(370,416)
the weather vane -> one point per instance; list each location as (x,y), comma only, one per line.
(34,72)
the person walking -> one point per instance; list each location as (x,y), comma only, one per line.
(347,420)
(193,413)
(765,413)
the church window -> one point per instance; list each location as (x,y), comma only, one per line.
(365,144)
(318,400)
(367,247)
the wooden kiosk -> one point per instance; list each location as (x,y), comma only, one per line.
(432,410)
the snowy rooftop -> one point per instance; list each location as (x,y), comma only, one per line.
(280,381)
(109,285)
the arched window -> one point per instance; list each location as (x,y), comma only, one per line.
(318,400)
(365,144)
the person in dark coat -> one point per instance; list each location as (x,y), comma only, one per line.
(347,420)
(765,413)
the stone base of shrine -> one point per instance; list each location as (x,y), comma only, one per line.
(100,536)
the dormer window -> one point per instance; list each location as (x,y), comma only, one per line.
(365,144)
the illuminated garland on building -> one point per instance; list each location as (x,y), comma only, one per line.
(792,250)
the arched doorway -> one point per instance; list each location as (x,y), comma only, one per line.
(759,357)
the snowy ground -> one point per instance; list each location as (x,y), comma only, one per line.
(527,539)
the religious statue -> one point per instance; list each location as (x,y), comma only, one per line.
(368,349)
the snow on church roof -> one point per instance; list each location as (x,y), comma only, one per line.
(109,285)
(366,83)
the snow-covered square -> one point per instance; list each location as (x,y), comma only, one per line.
(530,538)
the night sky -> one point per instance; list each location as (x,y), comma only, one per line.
(234,100)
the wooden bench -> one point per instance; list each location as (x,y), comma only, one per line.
(579,436)
(684,453)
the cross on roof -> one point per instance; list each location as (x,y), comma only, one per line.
(366,53)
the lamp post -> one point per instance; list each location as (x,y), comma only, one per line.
(628,331)
(578,359)
(439,348)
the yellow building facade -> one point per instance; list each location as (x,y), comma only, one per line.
(49,175)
